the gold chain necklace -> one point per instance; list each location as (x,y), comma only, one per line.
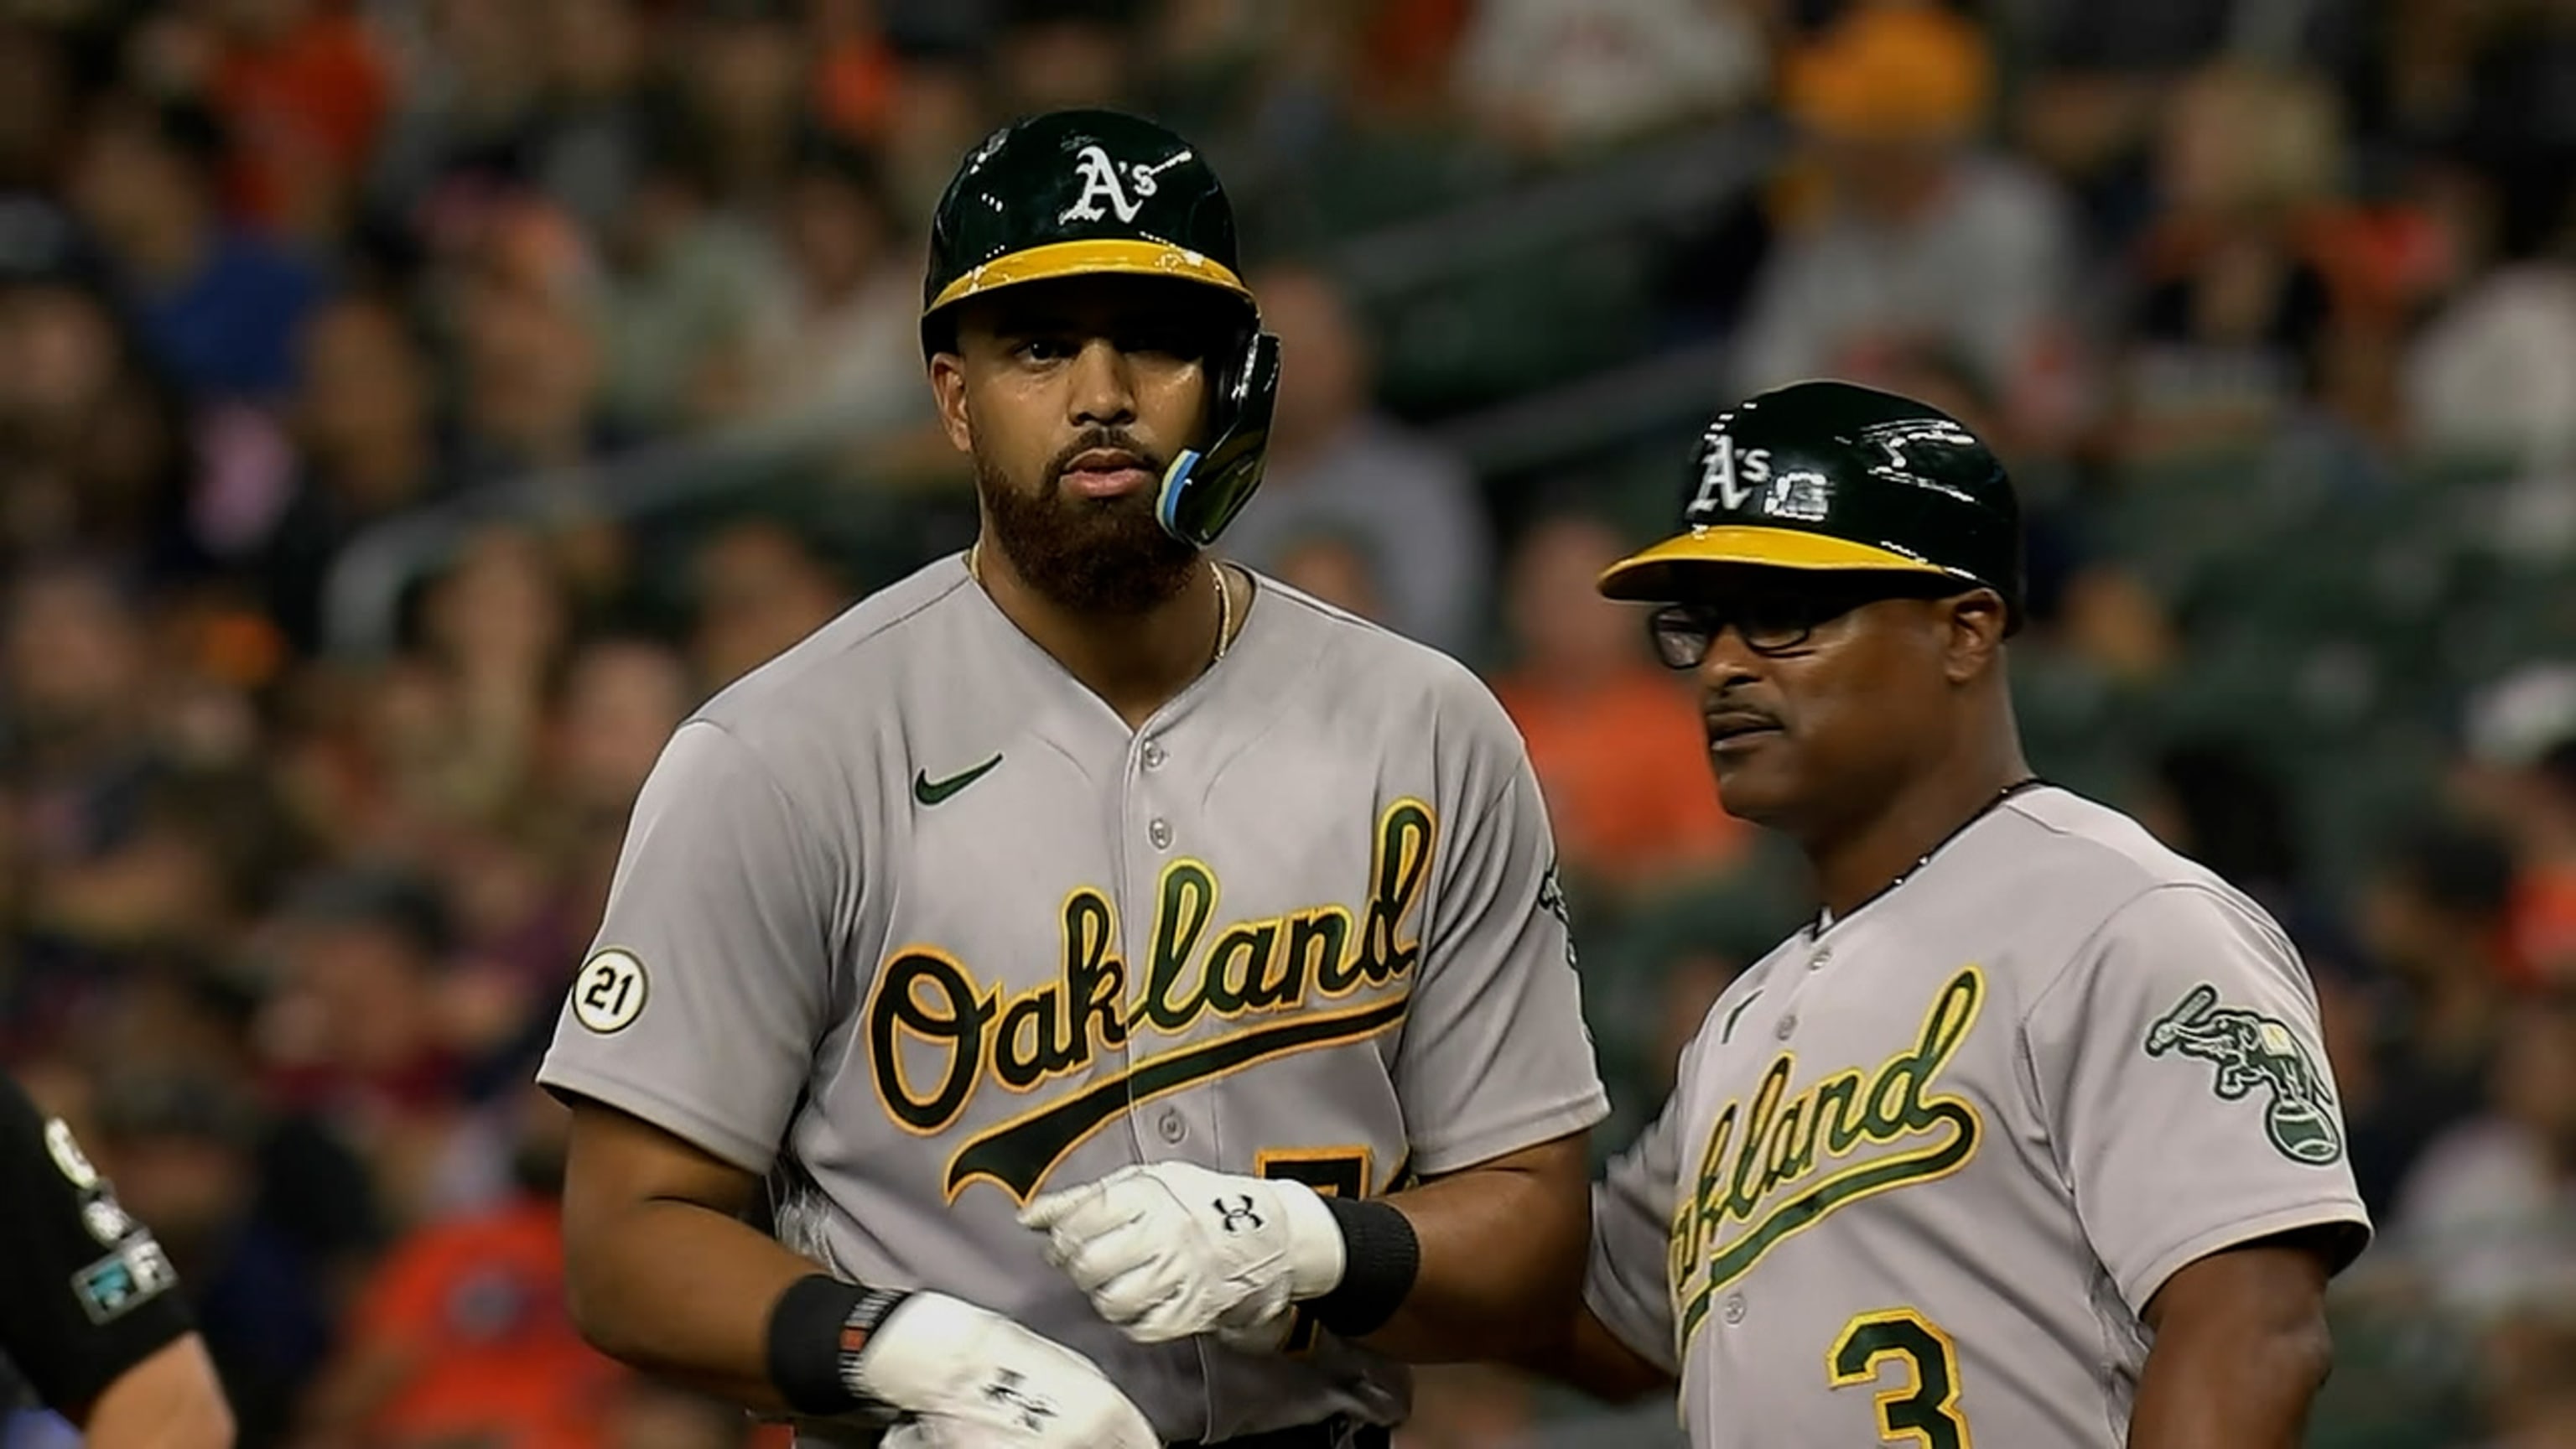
(1224,597)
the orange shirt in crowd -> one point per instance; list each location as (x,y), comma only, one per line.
(304,109)
(855,85)
(476,1307)
(2540,927)
(1624,767)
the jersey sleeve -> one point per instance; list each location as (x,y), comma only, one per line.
(1627,1281)
(86,1292)
(2182,1074)
(1495,1055)
(708,984)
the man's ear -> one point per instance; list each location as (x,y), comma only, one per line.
(1976,636)
(948,387)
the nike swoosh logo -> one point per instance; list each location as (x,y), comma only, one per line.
(928,791)
(1727,1031)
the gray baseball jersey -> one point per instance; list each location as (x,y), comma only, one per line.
(1922,1173)
(911,921)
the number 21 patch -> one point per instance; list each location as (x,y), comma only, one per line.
(609,993)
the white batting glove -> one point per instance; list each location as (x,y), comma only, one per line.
(1170,1250)
(975,1380)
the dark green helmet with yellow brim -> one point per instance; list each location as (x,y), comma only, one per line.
(1092,193)
(1832,476)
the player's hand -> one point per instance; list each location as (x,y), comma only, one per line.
(973,1379)
(1170,1250)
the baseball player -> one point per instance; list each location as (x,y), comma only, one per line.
(2028,1138)
(1143,989)
(90,1313)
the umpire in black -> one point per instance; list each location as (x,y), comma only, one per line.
(90,1315)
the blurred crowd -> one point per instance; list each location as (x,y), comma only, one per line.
(286,910)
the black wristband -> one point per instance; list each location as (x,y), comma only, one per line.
(819,1325)
(1380,1259)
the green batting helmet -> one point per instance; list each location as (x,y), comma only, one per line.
(1089,193)
(1834,476)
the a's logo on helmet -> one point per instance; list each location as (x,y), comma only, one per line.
(1729,476)
(1101,182)
(2253,1052)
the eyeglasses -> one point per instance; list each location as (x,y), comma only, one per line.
(1773,622)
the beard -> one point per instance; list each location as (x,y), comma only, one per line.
(1086,555)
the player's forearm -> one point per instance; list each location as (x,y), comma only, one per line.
(2238,1391)
(682,1292)
(171,1400)
(1586,1355)
(1501,1258)
(2233,1375)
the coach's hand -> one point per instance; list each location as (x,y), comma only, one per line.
(971,1377)
(1170,1250)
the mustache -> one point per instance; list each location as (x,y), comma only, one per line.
(1719,718)
(1111,440)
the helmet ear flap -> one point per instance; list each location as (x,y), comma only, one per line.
(1203,490)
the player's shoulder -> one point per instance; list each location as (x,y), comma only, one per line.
(2092,862)
(1379,667)
(844,667)
(817,714)
(23,1125)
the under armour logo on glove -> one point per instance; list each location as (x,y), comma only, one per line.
(958,1374)
(1171,1249)
(1005,1389)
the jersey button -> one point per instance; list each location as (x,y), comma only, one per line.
(1154,756)
(1160,832)
(1788,1025)
(1735,1308)
(1817,961)
(1170,1126)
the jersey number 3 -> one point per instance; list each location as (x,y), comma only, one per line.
(1922,1411)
